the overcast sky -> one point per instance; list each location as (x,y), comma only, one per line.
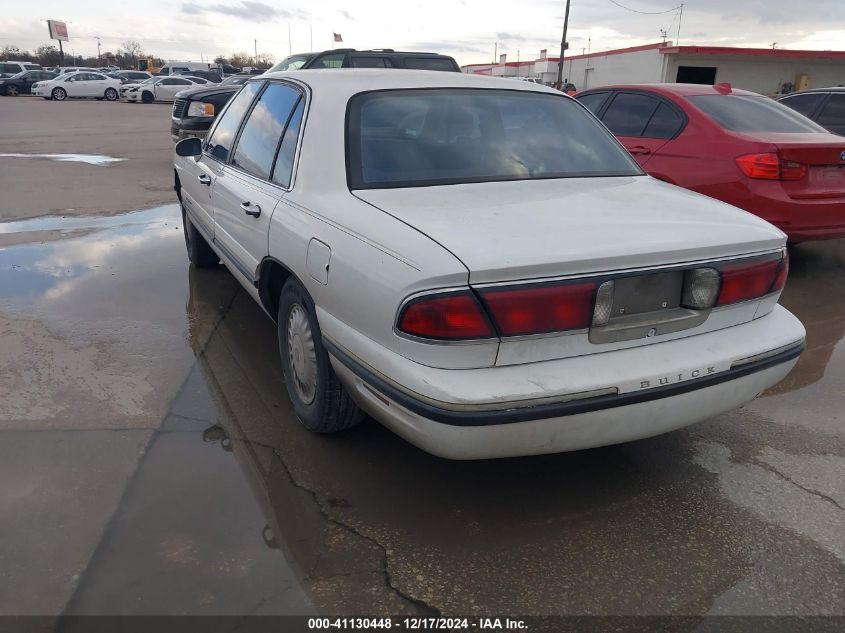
(466,29)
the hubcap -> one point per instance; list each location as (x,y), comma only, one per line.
(12,91)
(302,354)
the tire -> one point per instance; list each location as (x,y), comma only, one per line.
(111,94)
(12,91)
(147,97)
(200,253)
(59,94)
(320,401)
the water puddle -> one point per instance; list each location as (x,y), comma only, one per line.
(88,159)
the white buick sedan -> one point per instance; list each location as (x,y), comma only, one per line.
(479,265)
(78,85)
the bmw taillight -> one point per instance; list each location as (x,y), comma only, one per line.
(540,308)
(452,316)
(743,282)
(770,166)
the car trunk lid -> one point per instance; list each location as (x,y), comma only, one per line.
(521,230)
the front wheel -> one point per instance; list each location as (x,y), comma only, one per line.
(147,97)
(319,399)
(12,91)
(200,253)
(59,94)
(111,94)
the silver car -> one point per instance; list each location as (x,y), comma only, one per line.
(479,265)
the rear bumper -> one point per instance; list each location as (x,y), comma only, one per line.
(596,411)
(800,219)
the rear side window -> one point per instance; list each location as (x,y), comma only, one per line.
(664,123)
(330,61)
(833,112)
(429,63)
(370,62)
(629,113)
(263,130)
(593,101)
(220,142)
(743,113)
(408,138)
(283,169)
(804,104)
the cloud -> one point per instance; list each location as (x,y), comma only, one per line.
(246,10)
(516,37)
(346,15)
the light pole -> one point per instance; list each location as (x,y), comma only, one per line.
(563,47)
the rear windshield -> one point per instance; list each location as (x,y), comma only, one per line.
(412,138)
(742,113)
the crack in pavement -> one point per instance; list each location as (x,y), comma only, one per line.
(427,609)
(788,479)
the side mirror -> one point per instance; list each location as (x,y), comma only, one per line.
(189,147)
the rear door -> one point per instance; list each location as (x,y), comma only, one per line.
(257,176)
(629,116)
(166,89)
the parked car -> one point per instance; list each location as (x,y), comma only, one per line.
(479,265)
(75,69)
(210,76)
(376,58)
(178,68)
(736,146)
(825,106)
(7,69)
(159,88)
(195,109)
(235,80)
(133,76)
(78,85)
(21,83)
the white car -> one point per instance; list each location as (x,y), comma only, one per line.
(78,85)
(159,88)
(479,265)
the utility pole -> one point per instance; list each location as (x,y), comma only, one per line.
(495,52)
(311,38)
(680,19)
(559,82)
(99,57)
(255,59)
(290,46)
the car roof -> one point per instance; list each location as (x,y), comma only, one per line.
(812,90)
(678,90)
(345,82)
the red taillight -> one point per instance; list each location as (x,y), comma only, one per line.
(540,309)
(750,281)
(447,317)
(770,167)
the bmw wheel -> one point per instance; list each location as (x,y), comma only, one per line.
(319,400)
(111,94)
(59,94)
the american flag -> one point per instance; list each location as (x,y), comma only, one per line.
(337,37)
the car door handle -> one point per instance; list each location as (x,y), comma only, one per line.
(204,179)
(639,149)
(251,209)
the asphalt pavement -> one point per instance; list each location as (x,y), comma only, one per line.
(150,462)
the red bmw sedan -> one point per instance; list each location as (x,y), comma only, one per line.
(737,146)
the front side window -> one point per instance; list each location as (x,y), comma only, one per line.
(263,130)
(746,113)
(223,136)
(407,138)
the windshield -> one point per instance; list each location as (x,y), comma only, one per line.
(408,138)
(234,80)
(151,80)
(745,113)
(20,74)
(294,62)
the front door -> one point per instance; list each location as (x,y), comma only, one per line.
(257,176)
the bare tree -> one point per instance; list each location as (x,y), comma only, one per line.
(132,49)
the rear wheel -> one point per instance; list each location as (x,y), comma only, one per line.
(319,399)
(200,253)
(59,94)
(147,97)
(111,94)
(12,91)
